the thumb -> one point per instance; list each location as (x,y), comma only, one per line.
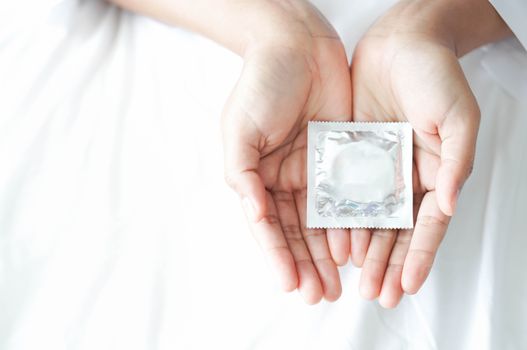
(242,157)
(458,134)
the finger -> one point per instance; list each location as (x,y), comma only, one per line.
(268,233)
(241,152)
(339,245)
(392,291)
(360,241)
(375,263)
(430,228)
(458,134)
(319,249)
(309,284)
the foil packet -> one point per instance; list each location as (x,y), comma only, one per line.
(359,175)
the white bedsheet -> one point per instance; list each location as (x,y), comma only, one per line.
(117,231)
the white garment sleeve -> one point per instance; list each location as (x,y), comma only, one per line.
(514,12)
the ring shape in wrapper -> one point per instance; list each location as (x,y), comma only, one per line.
(359,175)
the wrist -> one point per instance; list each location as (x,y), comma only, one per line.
(470,24)
(293,25)
(460,25)
(238,25)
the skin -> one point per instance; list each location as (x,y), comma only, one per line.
(295,70)
(264,125)
(406,68)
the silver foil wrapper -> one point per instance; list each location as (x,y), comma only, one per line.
(360,175)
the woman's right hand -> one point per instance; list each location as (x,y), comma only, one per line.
(300,75)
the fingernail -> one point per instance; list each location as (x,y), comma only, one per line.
(249,208)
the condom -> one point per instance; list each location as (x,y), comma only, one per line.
(359,175)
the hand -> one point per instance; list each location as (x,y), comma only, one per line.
(295,70)
(301,75)
(406,69)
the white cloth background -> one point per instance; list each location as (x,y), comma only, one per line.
(513,12)
(117,231)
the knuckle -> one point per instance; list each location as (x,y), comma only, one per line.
(404,237)
(314,233)
(402,242)
(384,234)
(275,250)
(283,197)
(369,260)
(302,193)
(322,260)
(396,267)
(424,257)
(292,232)
(432,222)
(270,219)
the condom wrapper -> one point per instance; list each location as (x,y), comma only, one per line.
(359,175)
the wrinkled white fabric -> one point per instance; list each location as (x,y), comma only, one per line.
(117,231)
(513,13)
(506,61)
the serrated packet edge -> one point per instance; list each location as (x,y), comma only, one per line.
(314,221)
